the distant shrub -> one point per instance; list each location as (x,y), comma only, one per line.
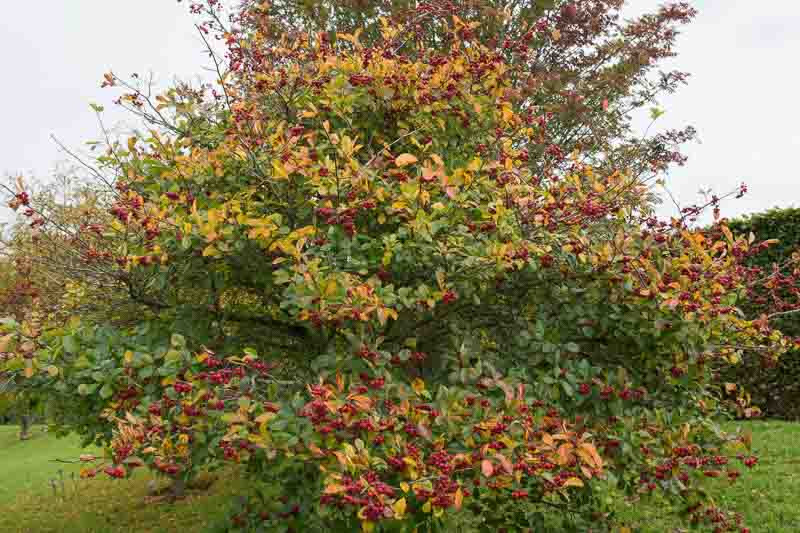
(774,387)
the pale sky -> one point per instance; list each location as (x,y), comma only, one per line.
(743,56)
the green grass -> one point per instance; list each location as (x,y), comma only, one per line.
(768,496)
(28,503)
(27,466)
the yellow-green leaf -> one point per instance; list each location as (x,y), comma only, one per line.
(399,508)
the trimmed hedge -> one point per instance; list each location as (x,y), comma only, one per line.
(775,389)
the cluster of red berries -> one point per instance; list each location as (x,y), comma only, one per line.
(182,387)
(116,472)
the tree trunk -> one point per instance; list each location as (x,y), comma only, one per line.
(178,489)
(24,427)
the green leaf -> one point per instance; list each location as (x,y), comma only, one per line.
(178,341)
(70,344)
(172,356)
(572,347)
(106,392)
(85,389)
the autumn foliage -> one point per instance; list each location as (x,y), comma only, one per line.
(401,262)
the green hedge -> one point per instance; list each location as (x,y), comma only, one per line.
(776,390)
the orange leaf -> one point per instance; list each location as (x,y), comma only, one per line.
(341,458)
(334,489)
(597,460)
(564,453)
(505,463)
(459,499)
(404,160)
(486,468)
(363,403)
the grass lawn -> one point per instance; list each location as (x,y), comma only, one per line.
(26,466)
(768,496)
(28,503)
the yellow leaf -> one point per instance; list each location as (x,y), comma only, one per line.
(399,508)
(573,482)
(52,370)
(128,357)
(381,312)
(404,486)
(440,279)
(427,507)
(280,171)
(404,160)
(265,417)
(367,526)
(330,288)
(5,341)
(418,385)
(210,251)
(459,499)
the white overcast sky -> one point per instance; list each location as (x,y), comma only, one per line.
(742,98)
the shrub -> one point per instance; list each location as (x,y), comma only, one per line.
(775,388)
(399,281)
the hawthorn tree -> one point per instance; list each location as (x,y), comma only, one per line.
(400,260)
